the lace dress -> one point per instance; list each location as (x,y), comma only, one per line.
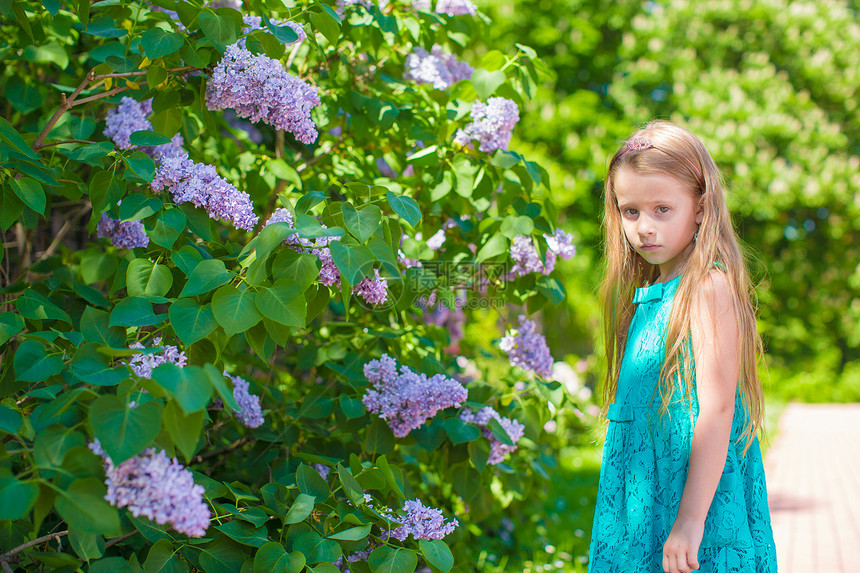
(644,469)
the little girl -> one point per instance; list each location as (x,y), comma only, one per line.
(682,484)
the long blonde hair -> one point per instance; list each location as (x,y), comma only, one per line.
(667,149)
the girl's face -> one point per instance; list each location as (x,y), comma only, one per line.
(660,215)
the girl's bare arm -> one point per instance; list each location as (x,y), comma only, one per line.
(715,348)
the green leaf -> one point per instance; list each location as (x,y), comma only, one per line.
(36,306)
(282,302)
(124,432)
(134,311)
(16,498)
(167,121)
(316,548)
(141,164)
(184,429)
(352,534)
(406,207)
(350,485)
(110,564)
(190,386)
(32,364)
(459,431)
(351,407)
(513,226)
(97,266)
(166,226)
(84,508)
(163,558)
(87,545)
(311,482)
(244,533)
(190,321)
(479,453)
(10,207)
(104,190)
(327,24)
(388,473)
(10,420)
(273,558)
(222,556)
(390,560)
(496,245)
(95,326)
(466,480)
(206,276)
(145,278)
(361,224)
(486,82)
(11,324)
(499,432)
(234,310)
(157,43)
(551,288)
(146,138)
(216,377)
(11,137)
(259,41)
(137,206)
(301,508)
(379,439)
(92,367)
(218,30)
(284,34)
(437,553)
(309,201)
(53,443)
(354,262)
(298,266)
(31,193)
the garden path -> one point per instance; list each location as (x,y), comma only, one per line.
(813,477)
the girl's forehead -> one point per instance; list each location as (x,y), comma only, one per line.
(631,185)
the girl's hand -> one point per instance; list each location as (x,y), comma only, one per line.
(681,550)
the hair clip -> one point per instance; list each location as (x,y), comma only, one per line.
(638,144)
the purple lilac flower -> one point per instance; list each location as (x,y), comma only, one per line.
(561,243)
(256,23)
(385,169)
(122,234)
(249,413)
(408,399)
(527,348)
(436,67)
(455,7)
(435,242)
(422,522)
(526,258)
(491,124)
(422,5)
(259,88)
(203,187)
(329,273)
(143,364)
(158,488)
(322,469)
(234,4)
(126,118)
(498,450)
(372,290)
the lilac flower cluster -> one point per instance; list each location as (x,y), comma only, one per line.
(203,187)
(156,487)
(122,234)
(456,7)
(422,5)
(408,399)
(527,348)
(249,413)
(491,124)
(453,320)
(143,364)
(329,273)
(527,260)
(322,469)
(374,290)
(259,88)
(435,242)
(498,450)
(256,23)
(130,116)
(422,522)
(436,67)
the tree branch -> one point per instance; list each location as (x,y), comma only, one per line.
(5,557)
(115,540)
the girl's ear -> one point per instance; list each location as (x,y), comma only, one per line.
(700,210)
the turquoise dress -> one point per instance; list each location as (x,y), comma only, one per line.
(645,461)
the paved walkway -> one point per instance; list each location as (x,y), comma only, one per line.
(813,478)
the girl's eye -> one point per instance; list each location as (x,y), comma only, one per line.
(630,212)
(663,209)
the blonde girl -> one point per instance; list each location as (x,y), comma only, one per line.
(682,486)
